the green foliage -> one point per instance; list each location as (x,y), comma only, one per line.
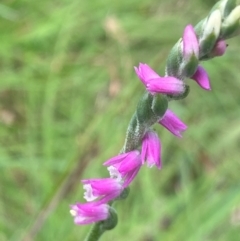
(67,93)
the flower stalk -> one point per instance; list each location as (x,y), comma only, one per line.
(142,145)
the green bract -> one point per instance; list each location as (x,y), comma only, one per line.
(112,220)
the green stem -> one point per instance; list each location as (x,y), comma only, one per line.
(110,223)
(149,110)
(95,232)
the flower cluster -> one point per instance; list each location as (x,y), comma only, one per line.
(124,167)
(142,145)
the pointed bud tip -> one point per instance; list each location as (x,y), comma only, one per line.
(234,16)
(213,24)
(190,42)
(202,79)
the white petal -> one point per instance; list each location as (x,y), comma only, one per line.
(88,194)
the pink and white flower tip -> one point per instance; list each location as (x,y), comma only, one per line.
(88,213)
(172,123)
(104,189)
(202,79)
(151,150)
(157,84)
(190,43)
(124,167)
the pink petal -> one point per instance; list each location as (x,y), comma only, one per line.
(124,166)
(139,74)
(219,48)
(119,158)
(130,176)
(172,123)
(166,85)
(151,149)
(129,164)
(147,72)
(190,42)
(102,187)
(87,213)
(201,77)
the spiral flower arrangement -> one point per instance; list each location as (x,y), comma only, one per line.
(142,145)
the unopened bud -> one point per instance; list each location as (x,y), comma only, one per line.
(218,50)
(230,26)
(190,43)
(210,33)
(159,105)
(213,24)
(190,52)
(228,6)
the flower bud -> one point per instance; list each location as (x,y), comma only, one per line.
(230,26)
(210,32)
(190,49)
(190,43)
(226,7)
(201,78)
(159,105)
(144,111)
(111,221)
(219,48)
(183,59)
(174,61)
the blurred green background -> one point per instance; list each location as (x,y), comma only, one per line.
(67,92)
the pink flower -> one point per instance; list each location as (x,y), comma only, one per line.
(190,43)
(89,212)
(157,84)
(201,77)
(191,47)
(151,149)
(124,166)
(105,188)
(171,122)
